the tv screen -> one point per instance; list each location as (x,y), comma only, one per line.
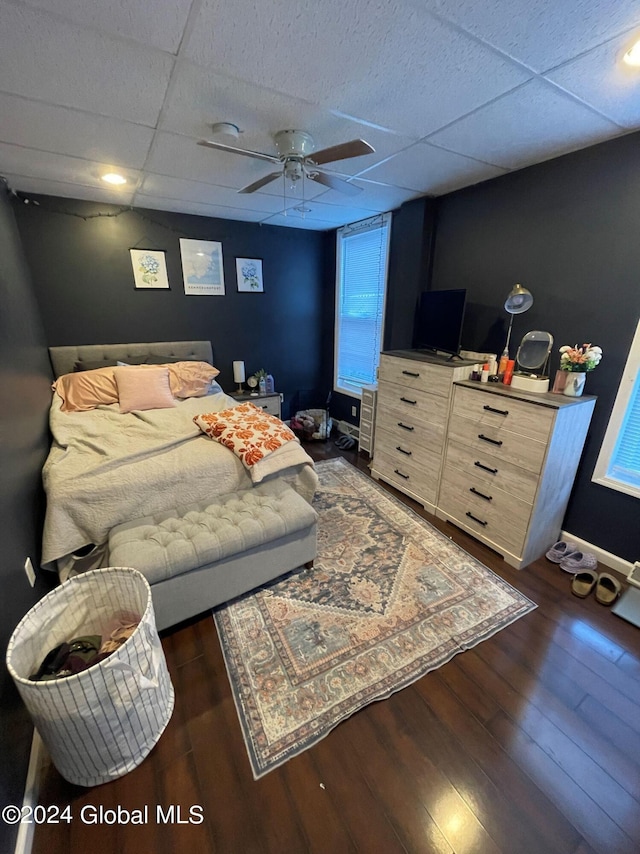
(438,322)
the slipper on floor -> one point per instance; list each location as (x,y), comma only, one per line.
(561,550)
(607,589)
(583,583)
(578,561)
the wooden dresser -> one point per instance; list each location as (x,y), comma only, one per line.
(412,416)
(510,462)
(497,462)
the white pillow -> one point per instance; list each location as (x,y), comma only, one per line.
(141,388)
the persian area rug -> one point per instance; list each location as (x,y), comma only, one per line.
(389,599)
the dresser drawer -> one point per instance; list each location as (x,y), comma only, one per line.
(369,397)
(410,433)
(498,517)
(409,373)
(412,404)
(494,410)
(493,473)
(417,477)
(498,443)
(366,413)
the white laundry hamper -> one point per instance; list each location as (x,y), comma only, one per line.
(102,722)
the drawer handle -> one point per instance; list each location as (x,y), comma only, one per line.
(402,451)
(406,400)
(404,426)
(410,374)
(480,494)
(497,411)
(475,519)
(405,476)
(485,468)
(487,439)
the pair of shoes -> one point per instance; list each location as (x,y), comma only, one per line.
(345,442)
(607,587)
(561,550)
(579,560)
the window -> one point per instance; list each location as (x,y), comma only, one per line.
(361,272)
(618,463)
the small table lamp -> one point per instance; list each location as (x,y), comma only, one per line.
(518,301)
(238,375)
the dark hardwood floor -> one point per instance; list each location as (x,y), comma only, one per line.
(527,744)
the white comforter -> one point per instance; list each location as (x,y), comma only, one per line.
(105,468)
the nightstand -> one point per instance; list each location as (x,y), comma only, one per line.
(269,402)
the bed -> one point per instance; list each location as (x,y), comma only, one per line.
(105,467)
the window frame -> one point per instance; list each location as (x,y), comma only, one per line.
(353,228)
(616,420)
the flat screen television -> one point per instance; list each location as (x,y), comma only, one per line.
(438,321)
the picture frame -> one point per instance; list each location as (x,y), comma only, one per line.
(149,269)
(202,267)
(249,275)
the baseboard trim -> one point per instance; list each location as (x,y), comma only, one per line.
(38,758)
(617,564)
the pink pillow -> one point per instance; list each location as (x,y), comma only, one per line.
(86,390)
(191,379)
(143,388)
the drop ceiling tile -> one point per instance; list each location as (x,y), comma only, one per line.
(161,27)
(601,79)
(534,123)
(79,134)
(298,221)
(424,168)
(373,196)
(48,60)
(42,186)
(397,67)
(334,214)
(219,211)
(181,157)
(541,33)
(57,167)
(207,194)
(200,97)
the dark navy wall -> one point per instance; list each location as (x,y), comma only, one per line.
(25,396)
(566,229)
(84,283)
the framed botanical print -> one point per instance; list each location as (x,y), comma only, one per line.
(149,269)
(249,275)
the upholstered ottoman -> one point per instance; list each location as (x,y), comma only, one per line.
(198,556)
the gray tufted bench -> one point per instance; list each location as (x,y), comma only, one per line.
(201,555)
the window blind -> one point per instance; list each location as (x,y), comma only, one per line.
(618,463)
(624,464)
(362,275)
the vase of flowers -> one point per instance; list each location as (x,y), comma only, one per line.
(575,362)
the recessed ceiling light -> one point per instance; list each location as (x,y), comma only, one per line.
(114,178)
(632,56)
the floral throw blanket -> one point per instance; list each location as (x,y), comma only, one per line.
(247,431)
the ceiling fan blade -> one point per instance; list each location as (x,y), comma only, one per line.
(208,143)
(335,183)
(354,148)
(251,188)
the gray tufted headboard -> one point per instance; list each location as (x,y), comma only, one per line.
(63,359)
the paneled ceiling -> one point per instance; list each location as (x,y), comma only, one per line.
(448,92)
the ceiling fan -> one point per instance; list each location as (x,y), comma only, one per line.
(298,159)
